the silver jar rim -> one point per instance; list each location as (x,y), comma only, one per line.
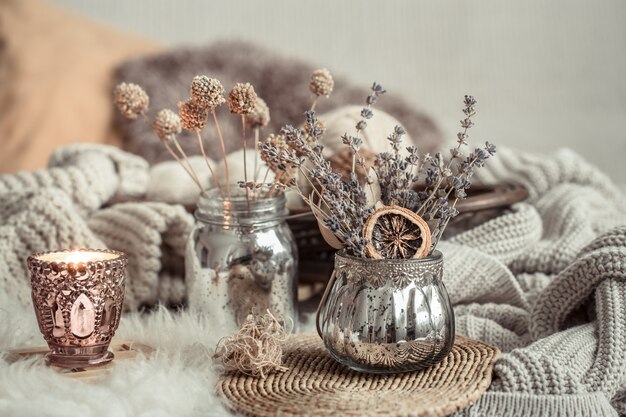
(435,257)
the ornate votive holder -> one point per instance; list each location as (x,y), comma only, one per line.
(78,297)
(387,316)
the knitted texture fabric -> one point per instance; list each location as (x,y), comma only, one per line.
(69,205)
(546,282)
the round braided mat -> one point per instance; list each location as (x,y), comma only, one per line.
(316,384)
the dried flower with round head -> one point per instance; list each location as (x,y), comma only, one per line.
(166,124)
(242,99)
(322,82)
(192,116)
(260,116)
(131,100)
(207,92)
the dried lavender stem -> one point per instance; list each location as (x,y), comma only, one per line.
(322,199)
(314,188)
(441,229)
(185,158)
(451,189)
(440,180)
(309,202)
(367,141)
(219,134)
(435,188)
(206,159)
(459,145)
(366,173)
(245,162)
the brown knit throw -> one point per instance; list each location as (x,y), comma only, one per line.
(315,384)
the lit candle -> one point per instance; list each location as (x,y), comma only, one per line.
(78,297)
(77,256)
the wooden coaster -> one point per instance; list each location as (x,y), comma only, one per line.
(124,351)
(315,384)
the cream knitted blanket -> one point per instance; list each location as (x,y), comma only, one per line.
(68,205)
(546,282)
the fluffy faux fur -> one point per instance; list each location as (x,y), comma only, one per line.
(178,380)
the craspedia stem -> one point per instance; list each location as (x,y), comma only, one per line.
(208,164)
(256,151)
(226,170)
(186,159)
(177,158)
(267,172)
(245,162)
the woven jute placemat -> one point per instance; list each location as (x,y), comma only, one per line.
(315,384)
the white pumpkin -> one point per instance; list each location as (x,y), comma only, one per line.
(171,184)
(343,120)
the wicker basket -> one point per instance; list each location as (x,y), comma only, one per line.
(483,203)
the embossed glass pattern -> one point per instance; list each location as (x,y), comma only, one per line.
(387,316)
(78,297)
(241,259)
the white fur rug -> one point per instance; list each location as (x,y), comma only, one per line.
(178,381)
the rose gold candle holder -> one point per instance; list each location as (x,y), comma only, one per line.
(78,297)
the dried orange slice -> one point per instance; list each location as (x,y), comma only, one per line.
(396,233)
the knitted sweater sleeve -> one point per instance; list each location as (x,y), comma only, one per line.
(90,175)
(154,237)
(564,345)
(63,206)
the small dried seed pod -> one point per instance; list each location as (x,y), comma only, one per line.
(207,92)
(260,116)
(242,99)
(322,82)
(131,100)
(192,116)
(166,124)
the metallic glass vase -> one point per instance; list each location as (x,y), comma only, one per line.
(386,316)
(78,298)
(241,258)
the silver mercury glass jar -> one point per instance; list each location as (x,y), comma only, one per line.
(241,258)
(386,315)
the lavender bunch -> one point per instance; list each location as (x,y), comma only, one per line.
(340,204)
(343,206)
(447,181)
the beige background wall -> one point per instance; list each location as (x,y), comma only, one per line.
(547,74)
